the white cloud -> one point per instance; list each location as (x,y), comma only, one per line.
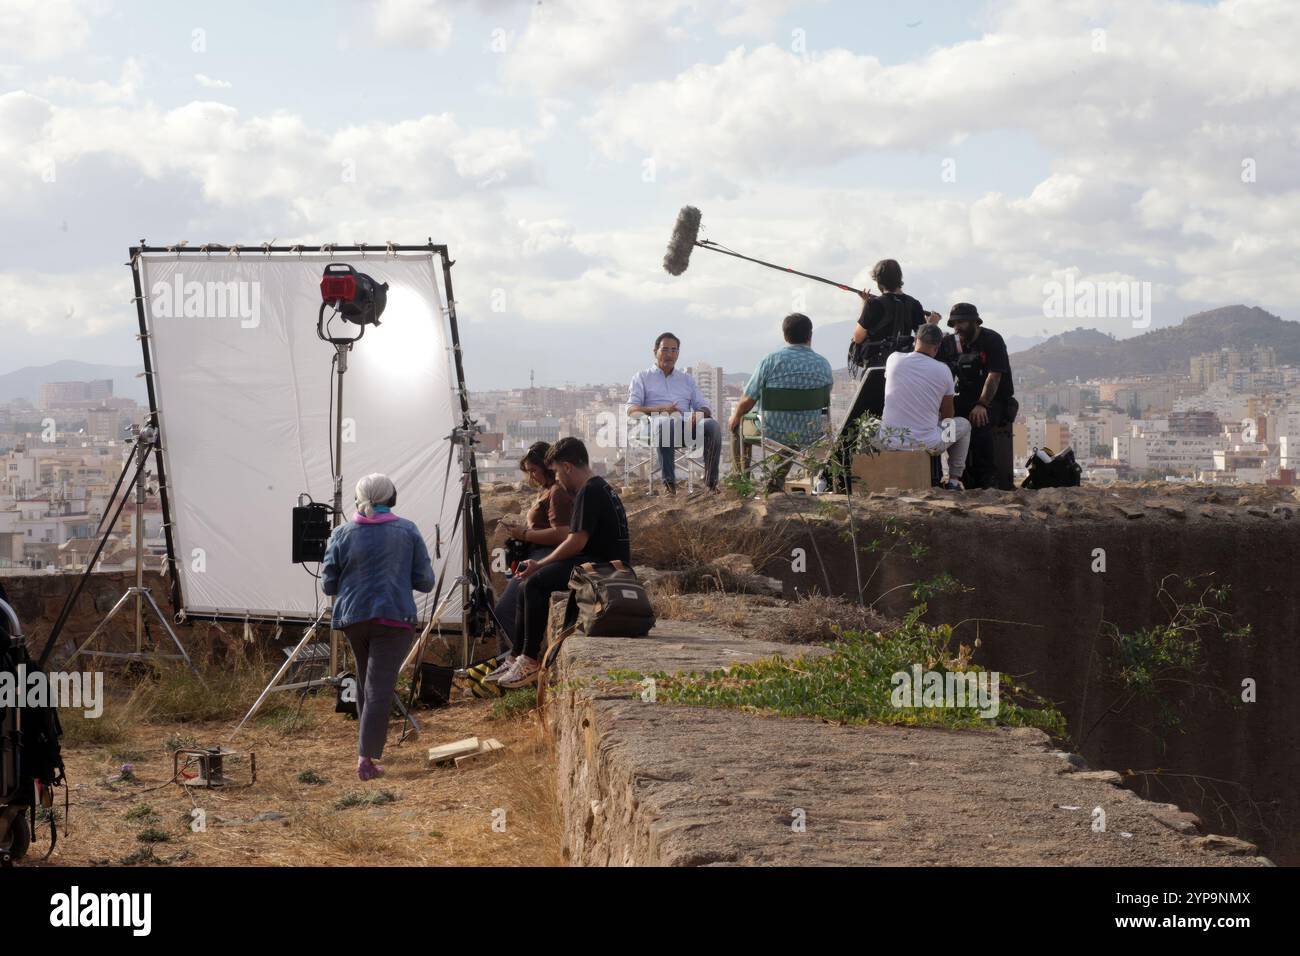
(210,83)
(97,91)
(86,303)
(45,29)
(413,23)
(597,44)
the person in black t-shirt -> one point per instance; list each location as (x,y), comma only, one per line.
(888,324)
(985,390)
(888,321)
(597,532)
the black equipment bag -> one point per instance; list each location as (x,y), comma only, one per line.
(607,600)
(433,684)
(345,696)
(1058,471)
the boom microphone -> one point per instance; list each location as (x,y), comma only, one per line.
(684,239)
(685,231)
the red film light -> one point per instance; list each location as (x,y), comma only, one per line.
(338,288)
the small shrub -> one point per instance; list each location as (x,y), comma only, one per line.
(513,704)
(143,813)
(311,777)
(152,835)
(365,798)
(817,619)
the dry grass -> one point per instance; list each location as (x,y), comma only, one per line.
(437,816)
(691,536)
(817,619)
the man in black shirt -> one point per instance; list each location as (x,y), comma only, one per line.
(597,532)
(985,391)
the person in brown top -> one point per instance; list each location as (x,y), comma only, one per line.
(545,525)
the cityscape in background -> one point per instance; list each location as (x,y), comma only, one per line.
(1233,417)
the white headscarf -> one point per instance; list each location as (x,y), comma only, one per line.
(373,490)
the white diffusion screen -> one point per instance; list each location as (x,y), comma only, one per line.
(243,392)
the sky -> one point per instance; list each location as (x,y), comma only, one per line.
(992,148)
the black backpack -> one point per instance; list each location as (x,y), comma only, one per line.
(1057,471)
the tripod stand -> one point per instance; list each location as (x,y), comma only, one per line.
(146,440)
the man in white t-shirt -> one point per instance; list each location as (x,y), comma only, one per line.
(919,405)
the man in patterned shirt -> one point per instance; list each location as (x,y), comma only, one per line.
(795,366)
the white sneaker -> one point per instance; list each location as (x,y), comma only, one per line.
(501,670)
(522,673)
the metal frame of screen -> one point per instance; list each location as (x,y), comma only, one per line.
(475,561)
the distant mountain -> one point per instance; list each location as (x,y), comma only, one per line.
(1087,353)
(26,382)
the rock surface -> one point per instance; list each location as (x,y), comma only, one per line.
(645,783)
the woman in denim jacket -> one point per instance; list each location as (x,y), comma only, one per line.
(372,564)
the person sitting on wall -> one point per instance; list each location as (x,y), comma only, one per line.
(544,527)
(668,395)
(919,409)
(372,564)
(795,366)
(597,532)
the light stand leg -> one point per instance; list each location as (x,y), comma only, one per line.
(100,626)
(284,668)
(175,640)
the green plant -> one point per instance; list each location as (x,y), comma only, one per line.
(854,683)
(513,704)
(365,799)
(143,813)
(311,777)
(152,835)
(741,483)
(1162,663)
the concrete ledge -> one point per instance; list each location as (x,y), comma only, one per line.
(652,784)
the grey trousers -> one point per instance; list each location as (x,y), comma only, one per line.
(379,650)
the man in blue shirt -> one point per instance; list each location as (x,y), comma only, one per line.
(795,366)
(675,404)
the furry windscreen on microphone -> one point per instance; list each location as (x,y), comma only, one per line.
(679,246)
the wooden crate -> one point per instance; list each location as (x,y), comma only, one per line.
(906,470)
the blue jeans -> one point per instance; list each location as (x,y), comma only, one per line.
(512,641)
(672,436)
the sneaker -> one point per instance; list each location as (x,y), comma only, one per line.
(671,488)
(952,484)
(501,669)
(523,672)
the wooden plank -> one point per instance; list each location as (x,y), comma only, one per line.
(487,748)
(449,752)
(891,469)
